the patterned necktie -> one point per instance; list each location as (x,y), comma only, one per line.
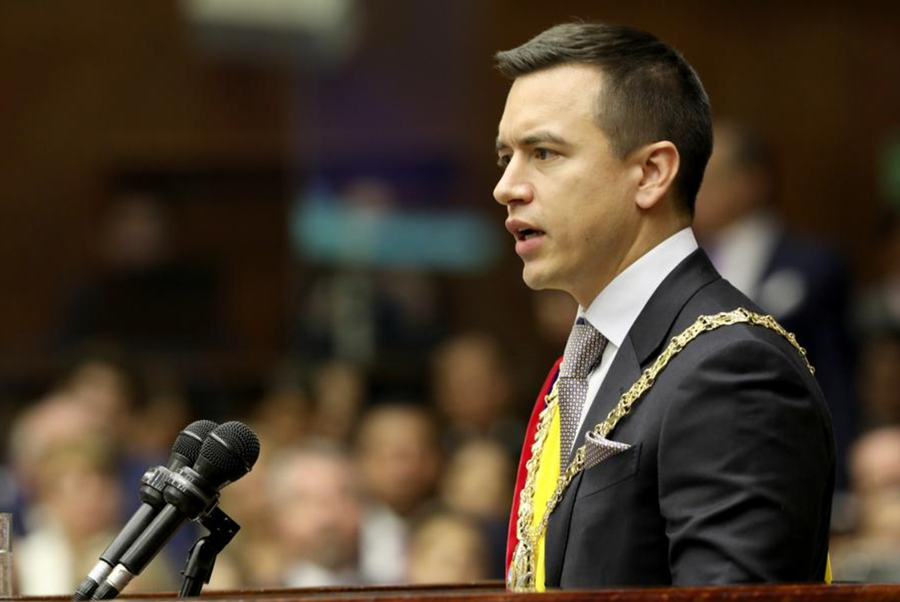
(583,352)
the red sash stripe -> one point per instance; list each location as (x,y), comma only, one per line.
(512,538)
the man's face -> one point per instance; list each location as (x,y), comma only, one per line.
(568,197)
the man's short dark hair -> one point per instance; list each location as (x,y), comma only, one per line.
(650,92)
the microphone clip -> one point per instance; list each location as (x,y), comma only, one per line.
(202,557)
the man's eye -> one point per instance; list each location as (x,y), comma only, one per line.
(503,161)
(542,154)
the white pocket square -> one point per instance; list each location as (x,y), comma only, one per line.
(597,449)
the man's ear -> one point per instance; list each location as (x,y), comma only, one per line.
(659,165)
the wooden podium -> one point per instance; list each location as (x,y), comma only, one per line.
(495,592)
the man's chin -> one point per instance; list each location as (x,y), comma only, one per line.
(534,279)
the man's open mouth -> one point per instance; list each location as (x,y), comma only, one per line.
(526,233)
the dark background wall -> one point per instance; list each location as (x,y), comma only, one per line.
(92,90)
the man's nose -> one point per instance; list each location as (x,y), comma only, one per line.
(513,187)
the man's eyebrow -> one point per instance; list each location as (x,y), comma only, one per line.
(541,137)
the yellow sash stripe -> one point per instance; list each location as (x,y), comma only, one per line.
(545,485)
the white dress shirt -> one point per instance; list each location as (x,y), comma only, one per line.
(615,309)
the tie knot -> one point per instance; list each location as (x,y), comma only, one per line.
(583,350)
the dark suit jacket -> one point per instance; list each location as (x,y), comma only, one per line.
(730,472)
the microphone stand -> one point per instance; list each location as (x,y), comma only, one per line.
(202,557)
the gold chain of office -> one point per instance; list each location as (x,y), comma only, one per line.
(522,568)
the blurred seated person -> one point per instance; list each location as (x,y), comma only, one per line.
(472,389)
(283,415)
(143,295)
(104,394)
(316,507)
(872,553)
(339,393)
(76,515)
(802,283)
(880,379)
(447,547)
(37,427)
(398,453)
(478,483)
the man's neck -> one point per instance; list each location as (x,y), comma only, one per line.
(649,236)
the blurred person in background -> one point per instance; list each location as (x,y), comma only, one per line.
(339,392)
(880,379)
(93,397)
(801,282)
(447,547)
(105,394)
(76,513)
(51,421)
(316,505)
(471,388)
(144,295)
(398,453)
(872,551)
(478,483)
(284,415)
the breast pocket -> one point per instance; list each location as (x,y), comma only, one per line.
(611,470)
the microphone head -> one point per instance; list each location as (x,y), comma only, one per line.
(187,445)
(228,453)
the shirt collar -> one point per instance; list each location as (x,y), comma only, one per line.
(618,306)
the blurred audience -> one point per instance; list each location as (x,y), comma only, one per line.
(872,553)
(478,483)
(397,451)
(802,283)
(284,414)
(339,391)
(66,462)
(447,547)
(472,389)
(880,380)
(317,508)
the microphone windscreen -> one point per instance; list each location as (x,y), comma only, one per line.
(228,453)
(190,440)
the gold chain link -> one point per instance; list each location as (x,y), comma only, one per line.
(522,573)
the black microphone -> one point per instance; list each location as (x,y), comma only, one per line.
(227,454)
(185,452)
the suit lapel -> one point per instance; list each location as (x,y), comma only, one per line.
(655,322)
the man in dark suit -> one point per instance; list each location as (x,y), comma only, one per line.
(722,472)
